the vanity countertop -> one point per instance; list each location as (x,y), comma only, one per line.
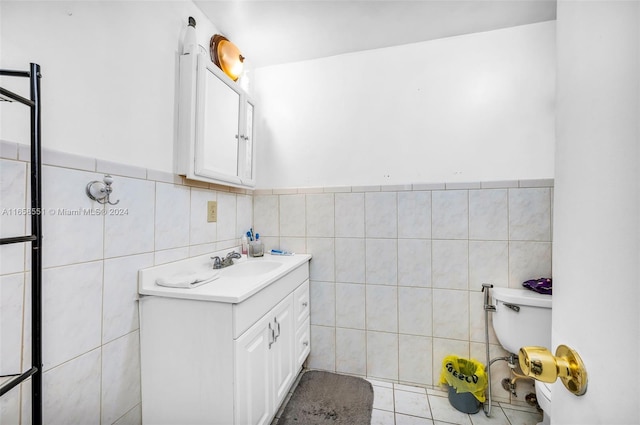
(235,284)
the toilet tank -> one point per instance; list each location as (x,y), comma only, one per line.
(522,318)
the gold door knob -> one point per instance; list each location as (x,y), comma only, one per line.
(539,363)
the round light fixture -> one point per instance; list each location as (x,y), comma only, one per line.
(226,56)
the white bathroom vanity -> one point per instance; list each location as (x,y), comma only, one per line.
(228,351)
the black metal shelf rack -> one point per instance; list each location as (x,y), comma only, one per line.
(35,372)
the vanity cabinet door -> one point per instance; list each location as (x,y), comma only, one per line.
(283,351)
(253,404)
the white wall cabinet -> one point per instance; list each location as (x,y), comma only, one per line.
(207,362)
(215,125)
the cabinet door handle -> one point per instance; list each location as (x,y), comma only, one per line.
(275,319)
(305,343)
(272,338)
(304,304)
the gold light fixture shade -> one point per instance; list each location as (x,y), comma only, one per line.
(226,56)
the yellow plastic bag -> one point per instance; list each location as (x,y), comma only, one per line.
(465,375)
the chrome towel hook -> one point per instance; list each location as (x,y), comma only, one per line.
(101,190)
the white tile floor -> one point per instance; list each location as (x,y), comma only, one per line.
(396,404)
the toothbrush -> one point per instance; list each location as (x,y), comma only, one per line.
(249,236)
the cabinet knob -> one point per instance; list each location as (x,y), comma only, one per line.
(305,343)
(304,304)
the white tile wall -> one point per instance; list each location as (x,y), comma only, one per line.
(323,341)
(323,310)
(451,314)
(489,262)
(414,358)
(414,215)
(11,307)
(201,231)
(318,208)
(71,311)
(414,262)
(381,261)
(120,372)
(350,261)
(382,355)
(10,406)
(69,235)
(395,274)
(450,264)
(381,215)
(71,391)
(91,262)
(450,217)
(351,351)
(349,215)
(120,295)
(414,311)
(350,305)
(266,216)
(292,215)
(128,228)
(12,195)
(227,216)
(530,214)
(408,266)
(172,216)
(488,215)
(382,308)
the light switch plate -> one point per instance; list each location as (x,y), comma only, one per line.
(212,211)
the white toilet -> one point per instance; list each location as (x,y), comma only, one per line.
(543,395)
(523,318)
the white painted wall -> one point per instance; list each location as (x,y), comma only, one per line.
(109,74)
(468,108)
(596,229)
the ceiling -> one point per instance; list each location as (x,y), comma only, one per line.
(272,32)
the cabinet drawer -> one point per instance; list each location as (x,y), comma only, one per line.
(301,303)
(303,343)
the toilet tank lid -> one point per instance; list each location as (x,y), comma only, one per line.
(521,297)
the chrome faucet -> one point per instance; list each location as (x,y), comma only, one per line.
(220,263)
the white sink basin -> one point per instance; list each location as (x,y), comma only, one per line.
(235,284)
(250,268)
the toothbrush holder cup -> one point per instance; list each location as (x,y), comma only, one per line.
(256,249)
